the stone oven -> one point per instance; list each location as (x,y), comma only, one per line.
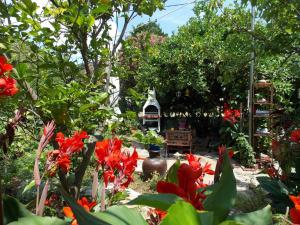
(151,112)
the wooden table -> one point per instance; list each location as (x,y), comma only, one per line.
(179,138)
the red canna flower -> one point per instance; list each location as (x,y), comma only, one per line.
(8,86)
(295,212)
(72,144)
(61,158)
(117,165)
(186,187)
(4,66)
(194,162)
(84,203)
(64,162)
(231,115)
(295,136)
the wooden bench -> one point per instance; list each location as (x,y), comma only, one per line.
(179,138)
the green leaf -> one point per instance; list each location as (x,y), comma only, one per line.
(172,173)
(13,209)
(86,107)
(230,222)
(103,8)
(21,69)
(222,199)
(91,21)
(184,213)
(274,187)
(2,46)
(261,217)
(28,186)
(82,216)
(159,201)
(102,97)
(36,220)
(121,215)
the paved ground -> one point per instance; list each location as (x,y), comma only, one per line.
(246,179)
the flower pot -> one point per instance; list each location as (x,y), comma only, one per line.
(154,163)
(295,148)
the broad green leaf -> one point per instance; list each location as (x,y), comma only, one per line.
(159,201)
(28,186)
(183,212)
(222,199)
(13,209)
(82,216)
(121,215)
(172,173)
(261,217)
(274,187)
(206,217)
(36,220)
(230,222)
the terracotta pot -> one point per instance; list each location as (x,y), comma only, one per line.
(154,163)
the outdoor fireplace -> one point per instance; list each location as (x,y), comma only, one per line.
(151,112)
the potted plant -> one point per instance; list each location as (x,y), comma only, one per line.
(153,142)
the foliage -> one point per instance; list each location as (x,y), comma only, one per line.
(150,137)
(246,153)
(217,203)
(238,139)
(210,56)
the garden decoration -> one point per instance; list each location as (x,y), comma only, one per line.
(154,163)
(153,143)
(151,112)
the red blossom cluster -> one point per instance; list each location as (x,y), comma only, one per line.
(295,136)
(60,159)
(117,165)
(84,203)
(7,84)
(231,115)
(186,186)
(194,162)
(295,212)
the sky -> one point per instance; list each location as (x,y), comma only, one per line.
(171,17)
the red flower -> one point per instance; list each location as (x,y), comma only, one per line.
(64,163)
(8,86)
(108,176)
(116,164)
(4,66)
(186,188)
(67,147)
(222,150)
(72,144)
(84,203)
(295,212)
(197,167)
(108,152)
(231,115)
(295,136)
